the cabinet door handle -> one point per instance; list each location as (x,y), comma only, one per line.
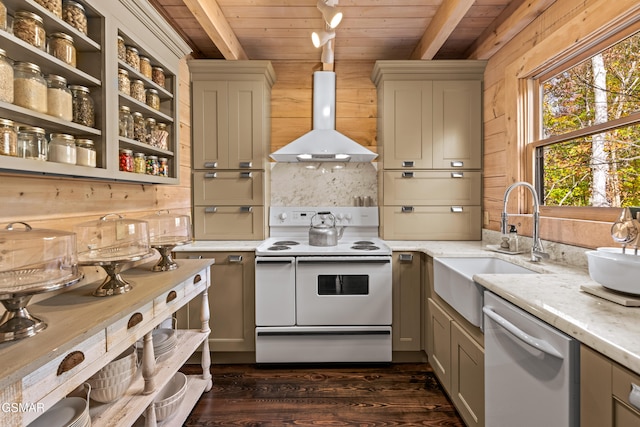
(135,319)
(407,174)
(211,175)
(634,396)
(194,257)
(408,163)
(235,259)
(210,165)
(246,174)
(171,296)
(456,209)
(457,164)
(246,209)
(405,257)
(211,209)
(457,175)
(70,361)
(407,209)
(245,165)
(197,279)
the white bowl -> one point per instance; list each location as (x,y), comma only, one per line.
(111,392)
(617,253)
(111,380)
(618,272)
(170,397)
(125,362)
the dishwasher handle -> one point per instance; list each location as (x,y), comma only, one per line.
(536,343)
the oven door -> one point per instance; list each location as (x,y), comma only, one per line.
(343,290)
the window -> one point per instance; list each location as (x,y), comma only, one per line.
(587,151)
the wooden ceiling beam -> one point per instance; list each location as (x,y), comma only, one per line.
(446,19)
(214,23)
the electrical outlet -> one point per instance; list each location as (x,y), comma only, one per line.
(485,218)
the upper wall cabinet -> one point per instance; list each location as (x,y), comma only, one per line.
(96,29)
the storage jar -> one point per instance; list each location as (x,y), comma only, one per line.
(85,153)
(125,120)
(8,138)
(150,126)
(32,143)
(152,165)
(161,137)
(145,67)
(139,131)
(83,107)
(122,50)
(61,46)
(132,58)
(153,98)
(139,163)
(6,77)
(73,13)
(3,16)
(53,6)
(29,27)
(62,148)
(59,99)
(29,87)
(157,76)
(163,166)
(137,90)
(124,84)
(126,160)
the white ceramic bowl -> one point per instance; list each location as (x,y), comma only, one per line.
(170,397)
(112,392)
(111,380)
(617,253)
(125,362)
(617,272)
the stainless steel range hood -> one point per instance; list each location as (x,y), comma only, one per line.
(324,143)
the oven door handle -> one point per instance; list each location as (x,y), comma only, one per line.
(318,333)
(279,261)
(344,261)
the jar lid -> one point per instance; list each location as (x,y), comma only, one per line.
(120,38)
(30,129)
(74,4)
(162,159)
(6,122)
(162,126)
(62,36)
(144,58)
(27,66)
(132,49)
(84,142)
(56,78)
(79,88)
(153,91)
(138,154)
(126,151)
(138,81)
(121,71)
(64,136)
(29,15)
(152,157)
(125,108)
(3,52)
(137,114)
(150,120)
(158,69)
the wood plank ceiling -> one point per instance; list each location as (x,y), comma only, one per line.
(370,29)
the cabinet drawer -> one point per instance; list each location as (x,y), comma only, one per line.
(228,187)
(622,385)
(169,301)
(229,222)
(431,223)
(128,328)
(63,368)
(196,284)
(432,188)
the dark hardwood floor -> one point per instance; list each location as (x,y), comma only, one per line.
(387,395)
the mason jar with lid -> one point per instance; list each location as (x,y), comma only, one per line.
(29,87)
(150,126)
(73,13)
(29,27)
(126,160)
(85,153)
(132,57)
(162,136)
(61,46)
(32,143)
(153,98)
(139,163)
(83,107)
(53,6)
(157,76)
(163,166)
(125,120)
(152,165)
(62,148)
(137,90)
(6,77)
(59,99)
(145,66)
(8,138)
(124,84)
(139,131)
(122,50)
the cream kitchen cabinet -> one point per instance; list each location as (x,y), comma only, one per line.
(609,394)
(407,308)
(232,305)
(85,332)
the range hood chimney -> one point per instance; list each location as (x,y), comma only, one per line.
(324,143)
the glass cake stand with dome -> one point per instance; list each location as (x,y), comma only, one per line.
(111,242)
(32,261)
(166,231)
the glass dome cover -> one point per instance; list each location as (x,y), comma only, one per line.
(112,238)
(166,229)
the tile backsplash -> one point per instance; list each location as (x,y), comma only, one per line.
(294,184)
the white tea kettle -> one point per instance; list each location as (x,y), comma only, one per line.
(324,232)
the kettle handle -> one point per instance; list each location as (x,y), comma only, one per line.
(333,218)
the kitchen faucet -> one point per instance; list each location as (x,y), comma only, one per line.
(537,251)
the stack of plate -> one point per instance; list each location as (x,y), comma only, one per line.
(69,412)
(164,340)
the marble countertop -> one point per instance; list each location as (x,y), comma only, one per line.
(553,295)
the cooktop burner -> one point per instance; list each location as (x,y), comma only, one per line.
(363,242)
(278,248)
(286,243)
(370,247)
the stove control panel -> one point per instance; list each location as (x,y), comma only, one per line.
(301,216)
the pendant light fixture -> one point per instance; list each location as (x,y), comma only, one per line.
(331,14)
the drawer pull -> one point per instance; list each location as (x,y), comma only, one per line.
(197,279)
(245,165)
(134,320)
(634,396)
(246,174)
(407,174)
(457,164)
(194,257)
(457,175)
(211,175)
(171,296)
(211,209)
(405,257)
(246,209)
(70,361)
(456,209)
(407,209)
(210,165)
(236,259)
(407,163)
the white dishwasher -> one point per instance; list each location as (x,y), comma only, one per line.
(531,369)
